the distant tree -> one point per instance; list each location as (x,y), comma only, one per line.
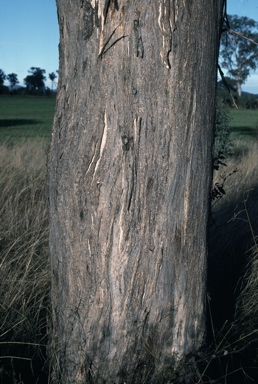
(35,81)
(2,77)
(52,76)
(239,53)
(13,80)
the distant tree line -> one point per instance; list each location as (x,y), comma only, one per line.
(34,82)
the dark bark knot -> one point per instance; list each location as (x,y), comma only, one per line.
(136,24)
(127,142)
(88,20)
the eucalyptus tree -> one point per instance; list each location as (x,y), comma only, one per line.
(36,79)
(130,171)
(13,79)
(52,76)
(239,48)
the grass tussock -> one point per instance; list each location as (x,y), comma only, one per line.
(235,215)
(244,161)
(24,254)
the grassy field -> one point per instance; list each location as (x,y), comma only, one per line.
(25,127)
(244,123)
(23,118)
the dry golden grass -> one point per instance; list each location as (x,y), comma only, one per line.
(245,161)
(236,212)
(24,255)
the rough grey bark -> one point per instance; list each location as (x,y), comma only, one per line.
(130,176)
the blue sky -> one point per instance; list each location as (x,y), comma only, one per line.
(29,36)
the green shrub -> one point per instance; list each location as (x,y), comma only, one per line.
(245,101)
(223,142)
(248,101)
(4,90)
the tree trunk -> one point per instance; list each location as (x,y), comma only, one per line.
(239,76)
(130,176)
(239,89)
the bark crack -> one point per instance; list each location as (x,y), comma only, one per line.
(105,47)
(103,51)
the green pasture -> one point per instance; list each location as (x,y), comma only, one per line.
(27,117)
(244,123)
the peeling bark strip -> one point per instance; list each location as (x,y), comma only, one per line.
(168,13)
(129,175)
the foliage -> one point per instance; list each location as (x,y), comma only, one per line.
(239,55)
(13,79)
(246,100)
(52,76)
(35,81)
(231,83)
(2,77)
(222,148)
(4,90)
(223,142)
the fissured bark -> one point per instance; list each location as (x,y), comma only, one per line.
(130,175)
